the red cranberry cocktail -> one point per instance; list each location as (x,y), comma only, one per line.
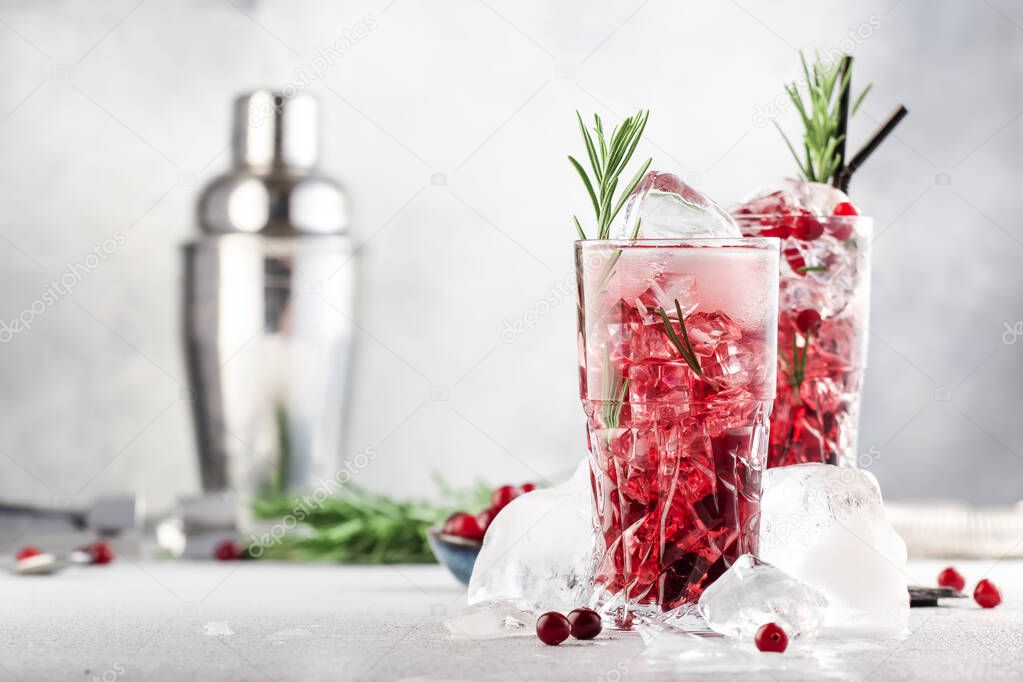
(822,333)
(677,364)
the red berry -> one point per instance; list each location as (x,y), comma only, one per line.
(795,259)
(807,228)
(845,208)
(585,623)
(841,228)
(485,518)
(808,320)
(528,487)
(464,526)
(228,550)
(102,553)
(951,578)
(781,228)
(987,595)
(770,637)
(503,495)
(27,552)
(553,628)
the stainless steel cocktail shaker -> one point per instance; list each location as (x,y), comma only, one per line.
(268,308)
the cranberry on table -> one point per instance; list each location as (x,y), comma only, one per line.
(228,550)
(503,495)
(101,552)
(987,595)
(951,578)
(808,320)
(770,637)
(464,526)
(553,628)
(27,552)
(528,487)
(585,623)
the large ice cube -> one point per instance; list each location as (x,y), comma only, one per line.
(751,593)
(668,208)
(539,549)
(826,526)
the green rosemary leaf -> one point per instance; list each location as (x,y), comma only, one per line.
(629,189)
(579,228)
(797,101)
(639,221)
(806,69)
(685,337)
(799,162)
(605,210)
(586,182)
(635,133)
(859,99)
(812,268)
(590,151)
(811,170)
(684,349)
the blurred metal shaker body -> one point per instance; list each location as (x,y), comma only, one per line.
(268,308)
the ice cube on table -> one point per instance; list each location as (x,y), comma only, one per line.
(492,620)
(751,593)
(665,207)
(826,526)
(673,654)
(539,549)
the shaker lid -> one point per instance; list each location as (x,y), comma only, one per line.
(274,188)
(275,131)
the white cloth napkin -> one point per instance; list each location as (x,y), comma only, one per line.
(950,529)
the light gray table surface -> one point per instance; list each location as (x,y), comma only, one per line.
(169,620)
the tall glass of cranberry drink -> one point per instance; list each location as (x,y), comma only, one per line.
(677,363)
(822,332)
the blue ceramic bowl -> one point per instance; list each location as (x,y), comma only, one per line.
(457,554)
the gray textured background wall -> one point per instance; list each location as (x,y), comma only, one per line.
(449,121)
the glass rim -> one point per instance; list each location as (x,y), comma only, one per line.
(761,216)
(765,243)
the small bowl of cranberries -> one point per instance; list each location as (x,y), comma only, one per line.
(457,543)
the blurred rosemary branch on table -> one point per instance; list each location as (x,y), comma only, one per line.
(356,526)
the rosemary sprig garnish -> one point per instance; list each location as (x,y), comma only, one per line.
(613,390)
(796,365)
(820,113)
(608,158)
(684,347)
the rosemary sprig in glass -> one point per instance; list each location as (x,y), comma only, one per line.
(820,113)
(614,389)
(795,366)
(683,345)
(608,157)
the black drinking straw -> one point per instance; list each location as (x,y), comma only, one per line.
(843,114)
(876,139)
